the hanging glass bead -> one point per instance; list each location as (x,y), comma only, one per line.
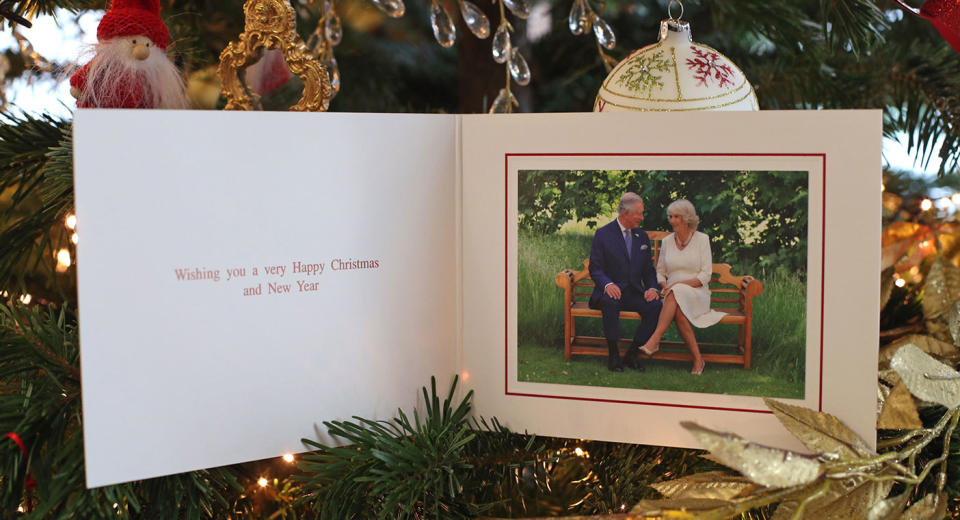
(332,28)
(520,8)
(443,29)
(503,103)
(604,33)
(330,63)
(519,70)
(392,8)
(476,21)
(501,44)
(579,20)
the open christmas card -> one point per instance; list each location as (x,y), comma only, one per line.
(284,269)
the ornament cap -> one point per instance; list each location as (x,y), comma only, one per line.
(675,29)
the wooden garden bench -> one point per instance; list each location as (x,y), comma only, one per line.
(730,294)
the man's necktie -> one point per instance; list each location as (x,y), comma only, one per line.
(628,239)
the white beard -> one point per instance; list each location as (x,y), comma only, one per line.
(113,67)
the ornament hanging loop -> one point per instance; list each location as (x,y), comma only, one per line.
(670,10)
(673,23)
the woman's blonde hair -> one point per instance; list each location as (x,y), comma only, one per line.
(687,212)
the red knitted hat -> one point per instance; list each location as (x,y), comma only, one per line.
(133,18)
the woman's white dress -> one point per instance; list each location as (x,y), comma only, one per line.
(693,261)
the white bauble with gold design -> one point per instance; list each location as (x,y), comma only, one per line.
(675,74)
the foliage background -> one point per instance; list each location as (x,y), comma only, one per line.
(753,218)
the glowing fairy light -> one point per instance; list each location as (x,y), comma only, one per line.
(926,204)
(883,187)
(25,298)
(63,260)
(579,451)
(74,238)
(900,282)
(71,222)
(288,457)
(262,482)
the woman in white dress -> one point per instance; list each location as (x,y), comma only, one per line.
(684,268)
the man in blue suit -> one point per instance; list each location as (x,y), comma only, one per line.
(621,266)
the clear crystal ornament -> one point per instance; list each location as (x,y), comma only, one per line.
(520,8)
(503,103)
(330,63)
(519,70)
(579,20)
(332,28)
(443,29)
(501,44)
(604,33)
(476,21)
(393,8)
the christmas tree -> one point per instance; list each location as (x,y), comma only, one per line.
(797,54)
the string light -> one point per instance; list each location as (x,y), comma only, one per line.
(63,260)
(74,238)
(288,457)
(25,298)
(926,204)
(71,222)
(579,451)
(20,509)
(883,187)
(900,282)
(263,482)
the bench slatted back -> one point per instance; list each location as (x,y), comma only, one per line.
(724,289)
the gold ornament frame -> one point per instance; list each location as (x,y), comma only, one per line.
(271,24)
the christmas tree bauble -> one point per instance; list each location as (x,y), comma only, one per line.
(675,74)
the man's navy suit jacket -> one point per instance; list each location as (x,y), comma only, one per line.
(609,262)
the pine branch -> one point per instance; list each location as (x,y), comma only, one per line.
(36,183)
(852,25)
(31,8)
(40,402)
(394,469)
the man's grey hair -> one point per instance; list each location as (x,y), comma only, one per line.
(628,201)
(685,209)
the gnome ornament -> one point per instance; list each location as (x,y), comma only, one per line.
(130,68)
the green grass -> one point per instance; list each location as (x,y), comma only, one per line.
(779,331)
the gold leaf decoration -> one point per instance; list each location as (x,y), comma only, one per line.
(939,292)
(889,376)
(899,411)
(845,499)
(914,366)
(681,508)
(716,485)
(764,465)
(890,508)
(928,344)
(930,507)
(819,432)
(953,322)
(886,285)
(897,239)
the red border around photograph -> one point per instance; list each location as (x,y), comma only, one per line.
(507,269)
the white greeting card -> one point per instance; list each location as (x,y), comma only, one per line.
(279,270)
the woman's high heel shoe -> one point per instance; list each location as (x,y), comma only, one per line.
(698,370)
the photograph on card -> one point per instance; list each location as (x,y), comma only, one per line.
(667,280)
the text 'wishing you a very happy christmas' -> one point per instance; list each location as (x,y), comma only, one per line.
(274,279)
